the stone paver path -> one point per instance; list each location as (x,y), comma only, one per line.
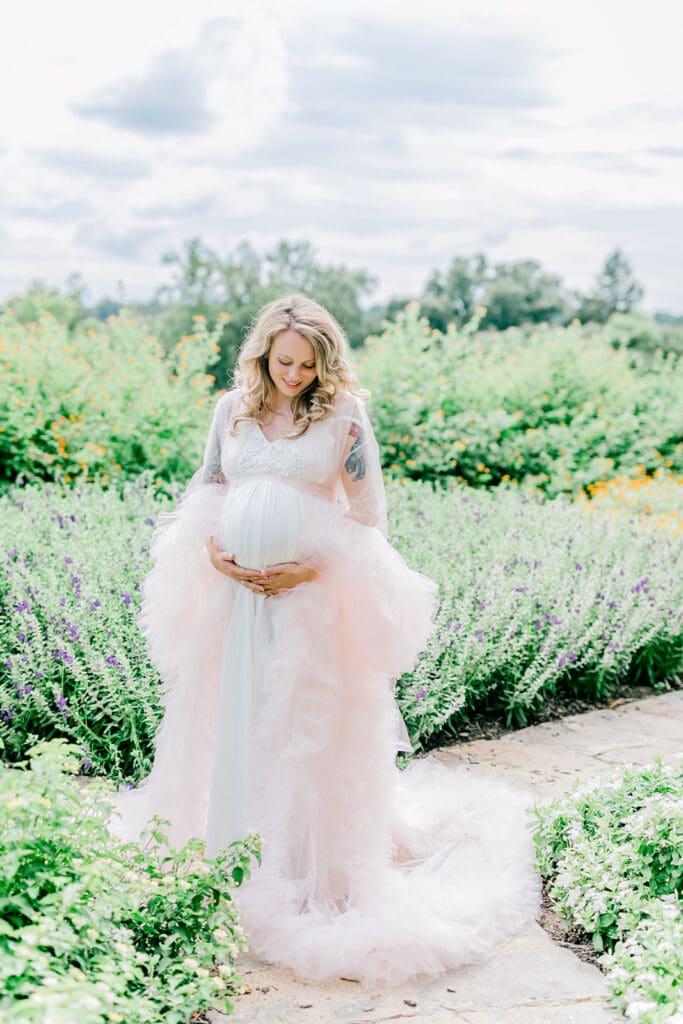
(530,979)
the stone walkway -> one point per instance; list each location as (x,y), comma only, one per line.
(530,979)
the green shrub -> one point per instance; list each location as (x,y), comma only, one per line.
(102,403)
(98,931)
(553,409)
(612,854)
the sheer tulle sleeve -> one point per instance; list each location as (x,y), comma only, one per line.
(183,594)
(362,484)
(185,604)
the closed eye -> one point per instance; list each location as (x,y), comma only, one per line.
(283,363)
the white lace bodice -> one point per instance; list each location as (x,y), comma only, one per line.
(319,457)
(309,457)
(259,455)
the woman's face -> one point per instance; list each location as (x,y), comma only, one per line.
(291,363)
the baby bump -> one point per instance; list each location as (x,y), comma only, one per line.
(263,523)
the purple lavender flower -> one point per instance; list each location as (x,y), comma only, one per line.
(38,674)
(96,603)
(23,607)
(63,656)
(13,553)
(126,598)
(63,705)
(87,763)
(421,693)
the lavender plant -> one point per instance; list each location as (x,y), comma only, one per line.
(535,600)
(73,660)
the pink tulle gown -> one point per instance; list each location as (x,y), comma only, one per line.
(280,716)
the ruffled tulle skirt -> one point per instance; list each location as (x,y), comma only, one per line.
(280,716)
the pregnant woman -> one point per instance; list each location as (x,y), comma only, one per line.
(279,617)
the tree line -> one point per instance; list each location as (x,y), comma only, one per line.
(204,281)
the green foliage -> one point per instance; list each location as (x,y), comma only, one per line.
(615,291)
(515,293)
(452,296)
(101,403)
(98,931)
(612,853)
(240,283)
(643,332)
(66,306)
(553,409)
(521,292)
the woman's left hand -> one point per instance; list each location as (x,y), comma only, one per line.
(285,576)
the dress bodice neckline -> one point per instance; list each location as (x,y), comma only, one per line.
(275,439)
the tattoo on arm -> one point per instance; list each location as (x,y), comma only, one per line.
(355,460)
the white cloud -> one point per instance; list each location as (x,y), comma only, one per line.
(525,128)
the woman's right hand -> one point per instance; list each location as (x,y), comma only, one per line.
(225,563)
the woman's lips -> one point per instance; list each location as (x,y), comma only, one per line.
(292,386)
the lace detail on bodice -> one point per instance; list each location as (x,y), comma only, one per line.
(285,456)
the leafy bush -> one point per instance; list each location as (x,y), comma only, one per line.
(638,330)
(102,403)
(98,931)
(536,599)
(612,853)
(553,409)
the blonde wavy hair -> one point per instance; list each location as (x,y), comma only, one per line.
(333,369)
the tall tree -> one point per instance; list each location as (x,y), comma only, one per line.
(450,297)
(243,280)
(616,291)
(522,292)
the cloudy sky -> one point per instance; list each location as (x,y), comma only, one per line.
(391,136)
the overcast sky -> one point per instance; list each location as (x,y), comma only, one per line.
(391,136)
